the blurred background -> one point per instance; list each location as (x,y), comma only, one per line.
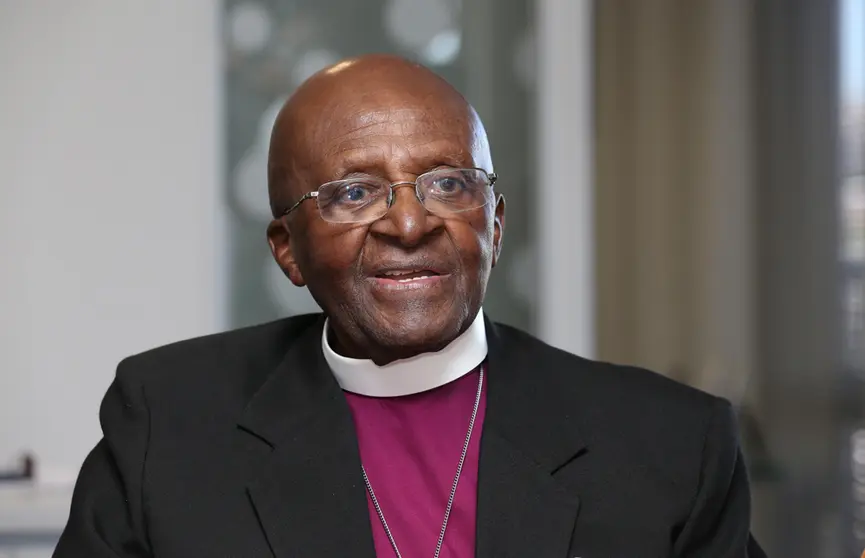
(685,184)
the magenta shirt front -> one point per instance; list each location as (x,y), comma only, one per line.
(410,447)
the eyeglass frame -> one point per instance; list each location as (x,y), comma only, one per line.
(313,194)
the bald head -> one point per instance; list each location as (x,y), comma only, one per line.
(335,108)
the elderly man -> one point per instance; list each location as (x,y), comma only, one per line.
(400,422)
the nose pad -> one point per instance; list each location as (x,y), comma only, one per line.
(391,196)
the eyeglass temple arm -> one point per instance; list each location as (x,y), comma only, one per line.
(306,196)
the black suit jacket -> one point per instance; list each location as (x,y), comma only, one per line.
(242,445)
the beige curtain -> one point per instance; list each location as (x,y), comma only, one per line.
(674,197)
(716,167)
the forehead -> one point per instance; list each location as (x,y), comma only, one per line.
(367,134)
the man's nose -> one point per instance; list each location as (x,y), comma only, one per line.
(407,219)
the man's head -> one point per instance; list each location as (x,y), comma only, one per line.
(369,122)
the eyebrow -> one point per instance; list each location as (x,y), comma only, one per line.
(375,165)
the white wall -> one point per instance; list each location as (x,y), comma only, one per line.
(110,225)
(565,223)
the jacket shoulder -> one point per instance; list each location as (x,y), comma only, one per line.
(242,356)
(629,385)
(628,414)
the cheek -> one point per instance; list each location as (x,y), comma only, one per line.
(473,238)
(332,251)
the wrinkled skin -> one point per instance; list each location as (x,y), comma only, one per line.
(385,117)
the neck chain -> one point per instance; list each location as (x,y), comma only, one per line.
(453,487)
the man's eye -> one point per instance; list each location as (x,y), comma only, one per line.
(353,193)
(449,185)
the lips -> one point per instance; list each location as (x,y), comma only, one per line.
(408,276)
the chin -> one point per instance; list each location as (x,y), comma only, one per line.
(417,332)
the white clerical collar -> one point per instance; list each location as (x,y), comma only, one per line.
(412,375)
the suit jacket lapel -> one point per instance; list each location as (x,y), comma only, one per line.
(528,435)
(308,491)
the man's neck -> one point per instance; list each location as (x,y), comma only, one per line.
(379,355)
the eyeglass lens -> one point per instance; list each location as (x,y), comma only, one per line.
(442,192)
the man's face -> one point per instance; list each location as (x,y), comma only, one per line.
(349,268)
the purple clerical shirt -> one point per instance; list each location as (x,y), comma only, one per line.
(410,447)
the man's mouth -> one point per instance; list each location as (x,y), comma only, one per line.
(408,278)
(406,275)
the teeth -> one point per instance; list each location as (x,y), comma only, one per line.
(412,279)
(394,273)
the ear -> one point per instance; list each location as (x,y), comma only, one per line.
(279,239)
(498,228)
